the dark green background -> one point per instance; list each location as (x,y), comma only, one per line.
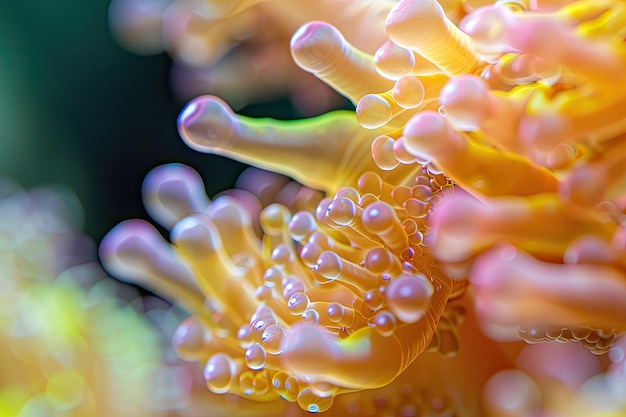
(77,109)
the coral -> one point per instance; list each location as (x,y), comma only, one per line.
(301,313)
(481,174)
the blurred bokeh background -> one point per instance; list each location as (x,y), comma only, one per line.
(76,109)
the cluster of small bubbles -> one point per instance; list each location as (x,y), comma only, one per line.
(496,135)
(359,268)
(597,341)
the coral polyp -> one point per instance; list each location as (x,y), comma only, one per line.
(307,311)
(481,175)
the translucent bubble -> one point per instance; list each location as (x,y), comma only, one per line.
(373,299)
(292,286)
(335,312)
(281,255)
(189,338)
(385,323)
(255,356)
(382,153)
(274,339)
(313,403)
(409,92)
(278,380)
(262,319)
(273,275)
(378,260)
(373,111)
(309,254)
(291,387)
(392,61)
(408,297)
(261,383)
(298,303)
(246,382)
(301,225)
(218,373)
(243,335)
(274,218)
(342,211)
(329,265)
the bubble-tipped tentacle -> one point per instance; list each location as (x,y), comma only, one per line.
(323,153)
(437,39)
(472,165)
(319,48)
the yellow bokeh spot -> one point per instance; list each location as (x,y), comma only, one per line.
(65,388)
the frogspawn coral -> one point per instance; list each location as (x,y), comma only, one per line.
(485,152)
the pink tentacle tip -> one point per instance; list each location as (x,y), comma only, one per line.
(206,123)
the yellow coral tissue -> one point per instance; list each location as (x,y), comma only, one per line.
(456,246)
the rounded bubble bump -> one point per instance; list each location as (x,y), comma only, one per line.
(189,338)
(291,286)
(392,61)
(273,275)
(373,299)
(246,383)
(335,312)
(206,123)
(309,254)
(291,388)
(373,111)
(255,356)
(378,217)
(312,402)
(274,218)
(466,100)
(281,255)
(486,26)
(274,339)
(301,225)
(298,303)
(261,320)
(408,296)
(329,265)
(218,373)
(378,260)
(243,336)
(382,153)
(409,92)
(171,192)
(385,323)
(406,15)
(315,45)
(342,211)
